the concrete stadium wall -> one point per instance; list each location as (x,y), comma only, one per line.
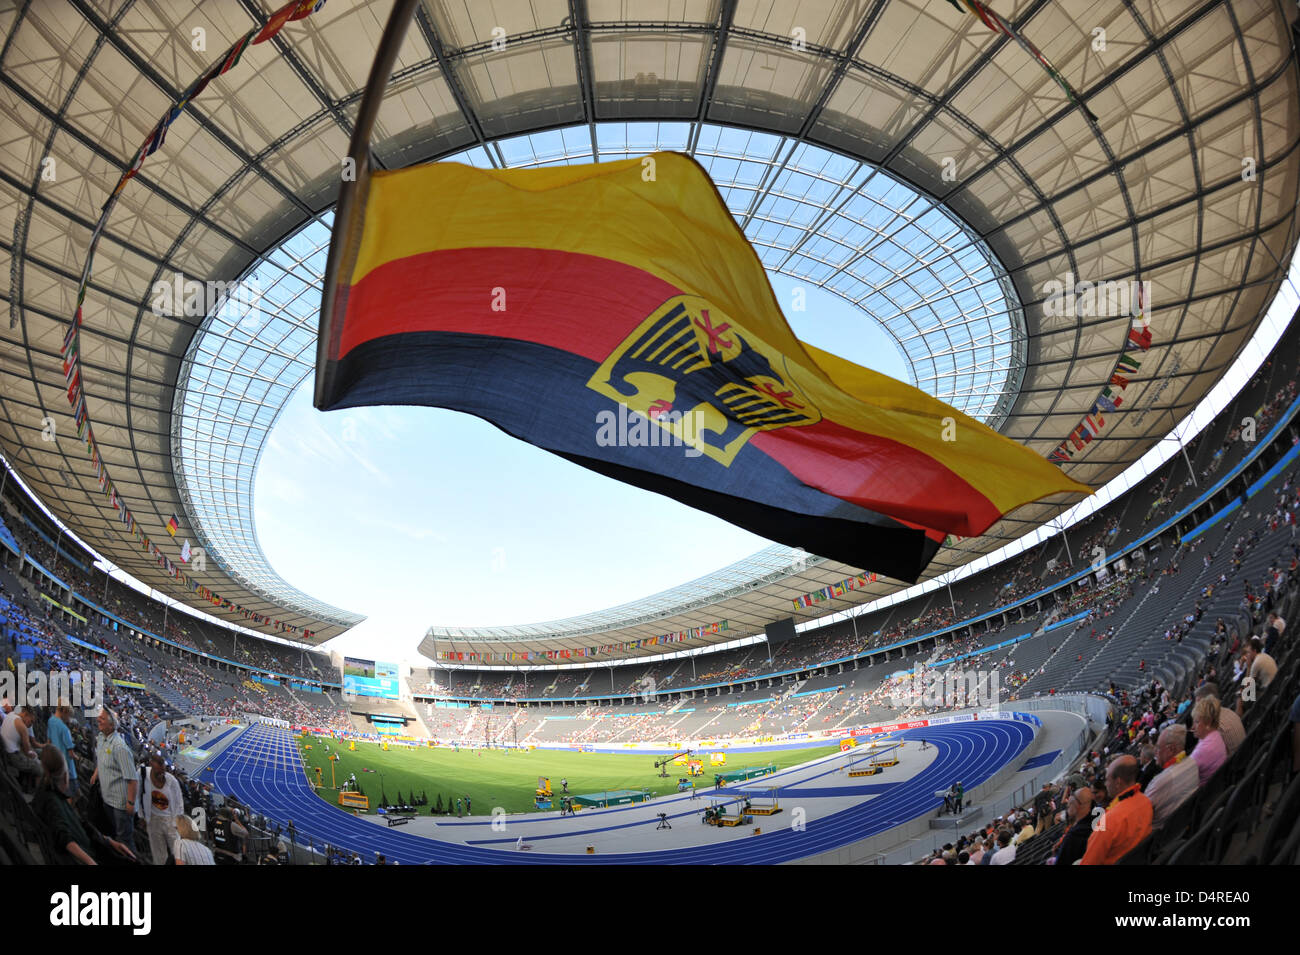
(193,767)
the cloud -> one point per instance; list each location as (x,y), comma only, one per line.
(312,440)
(406,530)
(280,487)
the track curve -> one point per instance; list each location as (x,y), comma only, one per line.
(264,770)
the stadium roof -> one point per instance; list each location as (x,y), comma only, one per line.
(734,592)
(958,165)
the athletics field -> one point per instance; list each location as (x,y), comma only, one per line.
(508,778)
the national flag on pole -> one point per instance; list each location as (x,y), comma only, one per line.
(615,315)
(172,525)
(185,551)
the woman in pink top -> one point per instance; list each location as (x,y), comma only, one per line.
(1210,752)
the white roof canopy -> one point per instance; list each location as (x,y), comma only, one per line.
(1187,180)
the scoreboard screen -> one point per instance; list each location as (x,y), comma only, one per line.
(371,678)
(355,667)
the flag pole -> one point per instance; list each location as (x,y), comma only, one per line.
(352,199)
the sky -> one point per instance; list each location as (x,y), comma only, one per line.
(421,517)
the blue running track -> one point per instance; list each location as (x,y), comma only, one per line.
(263,769)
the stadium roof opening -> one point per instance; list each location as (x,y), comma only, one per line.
(911,266)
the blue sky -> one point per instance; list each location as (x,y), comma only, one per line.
(419,516)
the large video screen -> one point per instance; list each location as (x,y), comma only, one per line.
(371,678)
(355,667)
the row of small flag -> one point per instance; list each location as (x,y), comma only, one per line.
(77,398)
(1109,399)
(71,350)
(1112,396)
(998,25)
(831,591)
(295,10)
(485,656)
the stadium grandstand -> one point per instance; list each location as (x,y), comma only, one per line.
(1074,224)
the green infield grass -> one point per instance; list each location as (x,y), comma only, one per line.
(508,778)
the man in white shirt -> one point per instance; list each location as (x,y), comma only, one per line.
(1262,670)
(160,802)
(1006,853)
(1178,778)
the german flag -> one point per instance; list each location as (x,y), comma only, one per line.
(615,315)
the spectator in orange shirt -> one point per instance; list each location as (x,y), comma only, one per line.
(1127,820)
